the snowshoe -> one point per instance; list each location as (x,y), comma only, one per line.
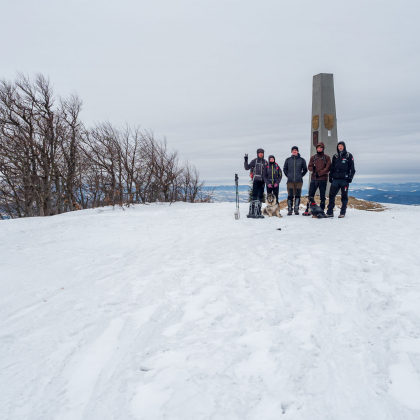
(251,214)
(255,210)
(258,213)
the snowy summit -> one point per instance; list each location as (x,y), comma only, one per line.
(182,312)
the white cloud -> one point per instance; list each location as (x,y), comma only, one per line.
(222,78)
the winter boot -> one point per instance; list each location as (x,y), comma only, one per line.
(330,216)
(251,213)
(306,212)
(258,213)
(297,204)
(289,207)
(343,207)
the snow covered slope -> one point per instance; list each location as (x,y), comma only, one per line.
(182,312)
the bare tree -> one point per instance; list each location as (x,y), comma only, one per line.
(50,163)
(72,131)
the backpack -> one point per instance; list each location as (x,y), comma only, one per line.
(317,157)
(257,175)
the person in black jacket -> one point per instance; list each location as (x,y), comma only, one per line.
(341,175)
(256,168)
(272,177)
(295,169)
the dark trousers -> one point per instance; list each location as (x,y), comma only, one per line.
(275,191)
(258,190)
(336,186)
(322,185)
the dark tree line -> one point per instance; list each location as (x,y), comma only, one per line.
(50,163)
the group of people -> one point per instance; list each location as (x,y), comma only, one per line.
(339,172)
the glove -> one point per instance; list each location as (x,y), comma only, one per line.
(330,179)
(276,185)
(270,186)
(251,175)
(317,175)
(246,158)
(350,180)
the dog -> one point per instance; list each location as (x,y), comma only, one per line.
(272,208)
(316,211)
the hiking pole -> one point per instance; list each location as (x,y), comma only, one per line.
(237,214)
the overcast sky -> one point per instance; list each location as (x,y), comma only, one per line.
(223,78)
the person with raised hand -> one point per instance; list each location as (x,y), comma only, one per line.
(256,168)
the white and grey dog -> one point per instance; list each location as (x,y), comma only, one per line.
(272,208)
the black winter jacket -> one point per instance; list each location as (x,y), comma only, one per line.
(342,165)
(256,166)
(295,168)
(272,174)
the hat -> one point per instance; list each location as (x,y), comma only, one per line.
(295,147)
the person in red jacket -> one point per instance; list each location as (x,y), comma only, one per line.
(319,165)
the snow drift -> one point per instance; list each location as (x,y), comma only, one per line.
(182,312)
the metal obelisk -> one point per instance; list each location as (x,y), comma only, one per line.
(324,118)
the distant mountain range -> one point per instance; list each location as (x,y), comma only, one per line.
(407,193)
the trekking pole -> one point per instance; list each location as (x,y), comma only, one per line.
(237,214)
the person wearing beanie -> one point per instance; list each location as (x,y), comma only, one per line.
(319,165)
(341,175)
(256,168)
(272,177)
(295,169)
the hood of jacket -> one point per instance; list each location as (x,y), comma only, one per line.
(344,144)
(271,156)
(320,144)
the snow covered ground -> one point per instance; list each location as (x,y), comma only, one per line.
(182,312)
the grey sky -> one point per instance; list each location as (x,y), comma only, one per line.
(222,78)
